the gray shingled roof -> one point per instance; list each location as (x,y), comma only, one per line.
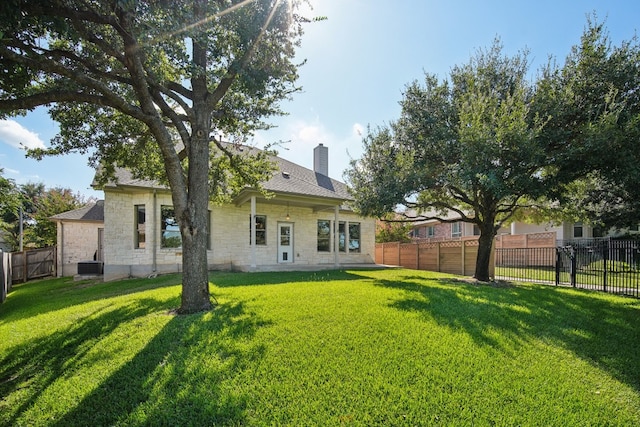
(289,178)
(90,212)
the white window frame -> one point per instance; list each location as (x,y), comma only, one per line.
(456,229)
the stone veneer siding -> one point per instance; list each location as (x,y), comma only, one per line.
(230,247)
(77,241)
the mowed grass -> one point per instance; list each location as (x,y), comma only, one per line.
(387,347)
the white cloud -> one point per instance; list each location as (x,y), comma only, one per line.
(12,171)
(14,134)
(357,130)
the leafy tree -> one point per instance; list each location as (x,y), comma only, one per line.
(38,204)
(592,107)
(391,229)
(147,84)
(466,145)
(10,201)
(42,231)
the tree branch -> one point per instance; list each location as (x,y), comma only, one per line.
(236,66)
(48,65)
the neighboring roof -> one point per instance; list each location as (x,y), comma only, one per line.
(420,218)
(90,212)
(289,178)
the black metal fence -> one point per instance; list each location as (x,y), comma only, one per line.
(607,265)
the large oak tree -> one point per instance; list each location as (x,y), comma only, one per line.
(464,145)
(152,85)
(592,106)
(488,145)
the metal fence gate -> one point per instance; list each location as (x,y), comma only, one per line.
(607,265)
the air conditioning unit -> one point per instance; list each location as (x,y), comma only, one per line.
(90,267)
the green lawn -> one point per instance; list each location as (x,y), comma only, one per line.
(388,347)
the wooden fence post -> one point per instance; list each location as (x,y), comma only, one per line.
(464,252)
(25,273)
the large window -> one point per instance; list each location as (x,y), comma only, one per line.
(170,231)
(354,237)
(261,229)
(140,235)
(348,236)
(324,235)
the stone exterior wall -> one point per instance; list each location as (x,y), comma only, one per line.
(229,234)
(77,241)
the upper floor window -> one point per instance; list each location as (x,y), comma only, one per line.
(456,229)
(598,232)
(578,230)
(431,231)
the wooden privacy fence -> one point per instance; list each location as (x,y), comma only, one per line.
(459,256)
(33,264)
(17,267)
(450,256)
(5,275)
(531,250)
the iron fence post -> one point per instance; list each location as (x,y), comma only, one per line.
(605,258)
(558,261)
(574,265)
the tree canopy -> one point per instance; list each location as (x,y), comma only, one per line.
(592,108)
(37,204)
(466,145)
(487,143)
(154,85)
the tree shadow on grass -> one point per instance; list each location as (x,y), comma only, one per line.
(181,377)
(231,279)
(600,329)
(42,296)
(33,366)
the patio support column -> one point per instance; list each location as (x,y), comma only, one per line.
(154,243)
(253,232)
(336,236)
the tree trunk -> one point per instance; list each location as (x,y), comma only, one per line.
(193,225)
(195,275)
(485,246)
(194,218)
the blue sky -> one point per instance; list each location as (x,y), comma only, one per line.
(358,63)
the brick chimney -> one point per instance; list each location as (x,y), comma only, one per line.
(321,160)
